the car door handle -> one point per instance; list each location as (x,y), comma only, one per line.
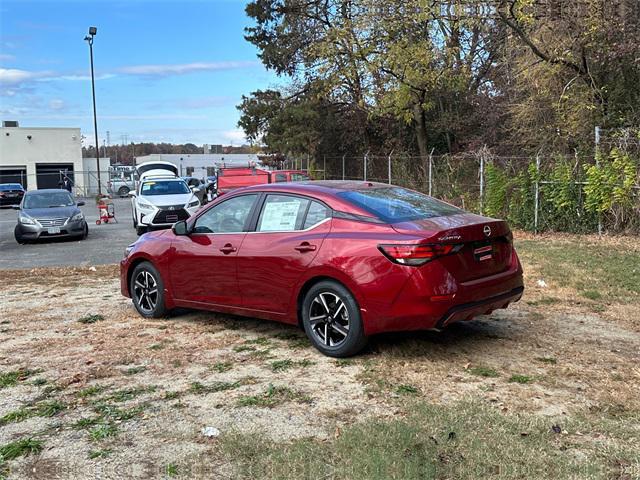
(305,247)
(228,248)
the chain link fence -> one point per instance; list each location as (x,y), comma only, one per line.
(538,193)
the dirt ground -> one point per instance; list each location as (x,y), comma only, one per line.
(134,394)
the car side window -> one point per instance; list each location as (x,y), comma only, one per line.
(281,177)
(317,212)
(282,213)
(229,216)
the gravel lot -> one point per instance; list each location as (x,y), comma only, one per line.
(105,244)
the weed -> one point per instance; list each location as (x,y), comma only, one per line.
(407,390)
(197,387)
(259,341)
(102,431)
(105,452)
(130,393)
(549,360)
(90,391)
(281,365)
(120,414)
(520,379)
(343,362)
(543,301)
(19,448)
(135,370)
(222,367)
(176,363)
(44,409)
(243,348)
(592,294)
(264,354)
(49,409)
(171,470)
(171,395)
(483,371)
(294,340)
(87,422)
(10,379)
(88,319)
(16,416)
(156,346)
(273,396)
(38,382)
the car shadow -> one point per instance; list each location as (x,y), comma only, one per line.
(459,337)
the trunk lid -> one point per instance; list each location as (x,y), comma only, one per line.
(486,243)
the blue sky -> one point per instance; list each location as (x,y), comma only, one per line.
(166,70)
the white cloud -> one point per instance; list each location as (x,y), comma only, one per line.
(56,104)
(16,77)
(235,136)
(184,68)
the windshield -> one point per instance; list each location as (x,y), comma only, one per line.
(160,187)
(48,200)
(395,204)
(10,186)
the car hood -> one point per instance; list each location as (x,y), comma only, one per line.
(55,212)
(162,200)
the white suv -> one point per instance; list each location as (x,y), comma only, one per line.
(161,201)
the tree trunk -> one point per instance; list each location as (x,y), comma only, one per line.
(420,126)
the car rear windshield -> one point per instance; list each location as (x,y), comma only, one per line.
(48,200)
(164,188)
(10,186)
(395,204)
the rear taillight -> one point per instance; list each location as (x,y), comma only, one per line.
(415,255)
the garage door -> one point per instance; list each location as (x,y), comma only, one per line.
(48,174)
(14,175)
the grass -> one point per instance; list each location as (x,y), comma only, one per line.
(222,367)
(171,470)
(105,452)
(19,448)
(520,379)
(407,390)
(130,393)
(199,388)
(102,431)
(259,341)
(282,365)
(464,440)
(343,362)
(481,371)
(42,409)
(156,346)
(596,272)
(90,391)
(243,348)
(272,396)
(89,319)
(543,301)
(10,379)
(294,340)
(135,370)
(549,360)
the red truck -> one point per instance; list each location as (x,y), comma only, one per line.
(236,177)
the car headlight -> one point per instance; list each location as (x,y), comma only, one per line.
(195,203)
(77,217)
(26,219)
(145,206)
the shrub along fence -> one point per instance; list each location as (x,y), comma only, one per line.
(541,193)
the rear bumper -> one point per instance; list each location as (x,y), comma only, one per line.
(467,311)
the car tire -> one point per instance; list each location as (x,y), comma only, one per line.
(147,291)
(85,233)
(18,236)
(123,191)
(141,230)
(340,333)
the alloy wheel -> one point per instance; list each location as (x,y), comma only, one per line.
(145,291)
(329,319)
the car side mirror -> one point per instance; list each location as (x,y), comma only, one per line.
(180,228)
(80,204)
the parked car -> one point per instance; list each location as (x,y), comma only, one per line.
(198,187)
(236,177)
(49,213)
(120,186)
(11,193)
(344,260)
(159,202)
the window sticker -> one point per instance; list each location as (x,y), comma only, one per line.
(279,216)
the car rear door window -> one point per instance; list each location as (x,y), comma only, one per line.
(282,213)
(395,204)
(229,216)
(317,212)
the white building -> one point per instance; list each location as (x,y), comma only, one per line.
(201,164)
(39,157)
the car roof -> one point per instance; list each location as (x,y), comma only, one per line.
(161,177)
(47,190)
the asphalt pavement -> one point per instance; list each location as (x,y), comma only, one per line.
(105,243)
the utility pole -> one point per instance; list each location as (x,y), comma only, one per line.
(89,40)
(597,134)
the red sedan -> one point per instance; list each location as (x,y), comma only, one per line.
(344,260)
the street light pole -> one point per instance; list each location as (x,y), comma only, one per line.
(89,40)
